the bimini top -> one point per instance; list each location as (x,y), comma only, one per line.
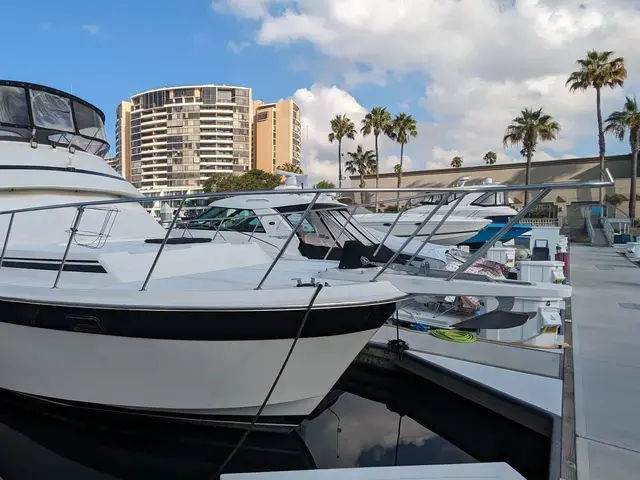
(35,113)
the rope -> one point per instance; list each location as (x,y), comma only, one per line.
(457,336)
(273,386)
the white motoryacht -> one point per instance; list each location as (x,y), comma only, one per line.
(341,247)
(94,316)
(493,206)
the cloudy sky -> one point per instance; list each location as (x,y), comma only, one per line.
(462,68)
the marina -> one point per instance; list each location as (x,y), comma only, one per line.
(287,330)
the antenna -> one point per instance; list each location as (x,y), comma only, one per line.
(294,180)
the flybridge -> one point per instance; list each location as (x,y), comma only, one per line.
(42,115)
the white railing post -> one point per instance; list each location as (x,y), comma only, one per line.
(72,234)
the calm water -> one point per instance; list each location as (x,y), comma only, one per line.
(351,431)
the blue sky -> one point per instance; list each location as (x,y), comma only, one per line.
(447,62)
(106,51)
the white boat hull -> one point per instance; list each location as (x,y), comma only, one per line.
(217,380)
(453,232)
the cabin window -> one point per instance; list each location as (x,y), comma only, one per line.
(492,199)
(228,220)
(436,198)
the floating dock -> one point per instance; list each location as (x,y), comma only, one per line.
(606,366)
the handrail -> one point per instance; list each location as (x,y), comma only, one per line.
(423,190)
(608,230)
(464,190)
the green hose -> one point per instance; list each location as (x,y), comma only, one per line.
(457,336)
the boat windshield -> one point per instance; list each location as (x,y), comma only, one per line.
(31,112)
(227,219)
(324,225)
(492,199)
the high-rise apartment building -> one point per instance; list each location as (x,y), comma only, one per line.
(180,136)
(122,161)
(276,134)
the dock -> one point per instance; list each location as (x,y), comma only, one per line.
(606,363)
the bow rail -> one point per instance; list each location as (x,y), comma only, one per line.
(315,195)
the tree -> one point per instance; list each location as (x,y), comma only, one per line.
(614,199)
(362,162)
(291,167)
(211,183)
(490,158)
(526,130)
(401,129)
(456,162)
(598,70)
(618,123)
(376,121)
(341,127)
(252,180)
(324,184)
(397,168)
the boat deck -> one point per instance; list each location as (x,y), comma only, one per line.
(606,317)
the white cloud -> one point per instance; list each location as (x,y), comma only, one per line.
(483,61)
(91,29)
(237,47)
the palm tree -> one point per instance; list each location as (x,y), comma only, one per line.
(526,130)
(341,127)
(400,130)
(598,70)
(456,162)
(618,123)
(490,158)
(291,167)
(376,121)
(324,184)
(362,162)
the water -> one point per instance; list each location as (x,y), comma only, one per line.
(351,431)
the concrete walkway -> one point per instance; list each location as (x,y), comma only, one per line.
(606,340)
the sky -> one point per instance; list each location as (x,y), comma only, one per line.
(462,68)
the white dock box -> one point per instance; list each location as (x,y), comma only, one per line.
(503,255)
(541,272)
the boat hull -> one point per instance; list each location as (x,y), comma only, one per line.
(452,232)
(490,230)
(223,380)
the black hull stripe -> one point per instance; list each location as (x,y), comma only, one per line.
(215,325)
(54,266)
(33,259)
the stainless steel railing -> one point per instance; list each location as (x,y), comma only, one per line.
(544,189)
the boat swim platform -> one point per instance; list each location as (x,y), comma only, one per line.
(605,325)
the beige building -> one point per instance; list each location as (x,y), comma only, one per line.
(180,136)
(114,163)
(276,134)
(122,162)
(565,202)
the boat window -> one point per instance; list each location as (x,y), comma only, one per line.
(51,111)
(436,198)
(306,226)
(228,219)
(13,105)
(88,121)
(492,199)
(340,218)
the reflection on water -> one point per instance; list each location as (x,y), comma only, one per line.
(351,431)
(356,432)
